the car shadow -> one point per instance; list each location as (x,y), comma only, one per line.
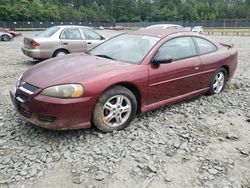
(32,62)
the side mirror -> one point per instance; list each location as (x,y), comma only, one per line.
(162,59)
(102,38)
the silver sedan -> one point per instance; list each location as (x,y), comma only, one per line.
(61,40)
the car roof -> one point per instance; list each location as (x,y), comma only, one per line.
(164,25)
(70,26)
(161,33)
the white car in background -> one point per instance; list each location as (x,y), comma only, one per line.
(188,28)
(198,29)
(165,26)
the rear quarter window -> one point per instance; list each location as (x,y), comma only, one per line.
(205,46)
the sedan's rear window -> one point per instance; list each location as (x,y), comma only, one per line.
(49,32)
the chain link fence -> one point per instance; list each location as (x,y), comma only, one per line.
(228,23)
(35,25)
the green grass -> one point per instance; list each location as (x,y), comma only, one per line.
(228,30)
(30,29)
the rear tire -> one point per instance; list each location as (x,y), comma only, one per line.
(115,109)
(60,52)
(218,82)
(5,38)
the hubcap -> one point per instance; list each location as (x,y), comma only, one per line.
(116,110)
(60,54)
(5,38)
(219,82)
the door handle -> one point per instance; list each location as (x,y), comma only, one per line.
(89,42)
(65,43)
(196,67)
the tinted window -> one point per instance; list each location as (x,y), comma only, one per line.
(178,48)
(72,34)
(49,32)
(91,35)
(205,46)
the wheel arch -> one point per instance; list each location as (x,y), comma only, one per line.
(53,55)
(133,88)
(226,67)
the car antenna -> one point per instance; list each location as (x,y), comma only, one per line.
(234,31)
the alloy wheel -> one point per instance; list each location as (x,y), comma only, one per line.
(219,82)
(116,110)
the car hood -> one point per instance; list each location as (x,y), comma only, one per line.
(73,68)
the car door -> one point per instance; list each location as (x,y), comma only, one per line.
(72,40)
(179,77)
(92,38)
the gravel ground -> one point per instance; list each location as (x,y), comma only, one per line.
(203,142)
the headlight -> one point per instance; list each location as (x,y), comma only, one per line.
(64,91)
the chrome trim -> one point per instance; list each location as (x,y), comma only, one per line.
(171,80)
(20,100)
(25,90)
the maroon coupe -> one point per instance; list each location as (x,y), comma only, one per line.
(128,74)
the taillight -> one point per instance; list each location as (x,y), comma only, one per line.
(34,43)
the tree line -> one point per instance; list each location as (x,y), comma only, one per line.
(122,10)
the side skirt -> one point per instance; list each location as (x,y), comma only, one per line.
(173,100)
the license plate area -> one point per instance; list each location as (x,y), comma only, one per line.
(20,107)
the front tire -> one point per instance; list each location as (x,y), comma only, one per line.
(218,82)
(115,109)
(5,38)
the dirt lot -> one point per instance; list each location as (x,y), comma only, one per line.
(203,142)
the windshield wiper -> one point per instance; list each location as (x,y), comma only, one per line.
(105,56)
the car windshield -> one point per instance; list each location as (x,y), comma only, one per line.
(127,48)
(48,32)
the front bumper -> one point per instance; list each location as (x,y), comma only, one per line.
(33,53)
(53,113)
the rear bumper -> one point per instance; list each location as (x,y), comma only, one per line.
(233,65)
(33,53)
(55,114)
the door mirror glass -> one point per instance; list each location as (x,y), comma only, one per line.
(162,59)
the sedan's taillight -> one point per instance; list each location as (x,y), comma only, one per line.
(34,43)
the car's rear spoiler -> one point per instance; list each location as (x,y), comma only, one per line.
(227,45)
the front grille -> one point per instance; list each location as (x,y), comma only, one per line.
(24,91)
(24,112)
(20,96)
(46,119)
(30,87)
(23,97)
